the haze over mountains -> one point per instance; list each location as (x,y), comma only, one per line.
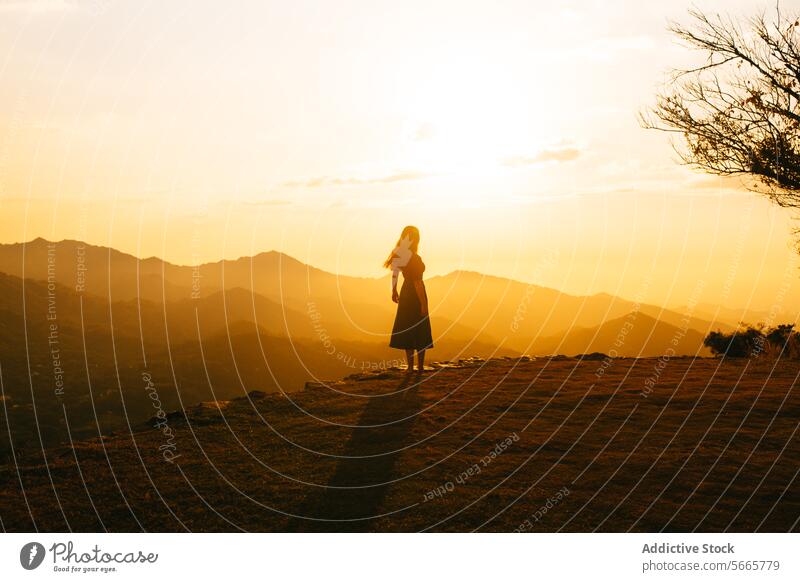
(352,307)
(82,325)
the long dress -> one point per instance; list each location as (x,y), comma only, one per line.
(412,330)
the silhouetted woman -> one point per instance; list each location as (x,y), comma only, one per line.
(412,327)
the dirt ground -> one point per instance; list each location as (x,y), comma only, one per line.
(505,445)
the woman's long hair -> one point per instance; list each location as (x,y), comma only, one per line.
(412,232)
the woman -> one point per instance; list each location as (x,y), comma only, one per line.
(412,327)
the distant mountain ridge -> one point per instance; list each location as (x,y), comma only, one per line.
(267,322)
(634,335)
(499,307)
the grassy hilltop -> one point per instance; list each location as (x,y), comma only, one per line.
(499,445)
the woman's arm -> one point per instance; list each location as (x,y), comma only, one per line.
(395,273)
(423,300)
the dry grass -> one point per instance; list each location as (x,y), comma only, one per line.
(714,447)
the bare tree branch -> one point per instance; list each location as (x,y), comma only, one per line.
(739,111)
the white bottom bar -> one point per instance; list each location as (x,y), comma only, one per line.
(405,557)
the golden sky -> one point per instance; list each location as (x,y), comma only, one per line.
(507,131)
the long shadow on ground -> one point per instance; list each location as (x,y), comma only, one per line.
(354,496)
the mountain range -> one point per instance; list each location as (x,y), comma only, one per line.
(82,325)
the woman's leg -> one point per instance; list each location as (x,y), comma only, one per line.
(420,360)
(410,360)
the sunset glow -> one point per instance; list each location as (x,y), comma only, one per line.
(127,127)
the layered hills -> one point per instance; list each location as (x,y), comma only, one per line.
(82,325)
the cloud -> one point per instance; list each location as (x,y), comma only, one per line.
(558,154)
(540,198)
(610,48)
(29,7)
(269,202)
(425,132)
(351,181)
(134,199)
(717,183)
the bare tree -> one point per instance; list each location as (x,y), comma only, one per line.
(738,111)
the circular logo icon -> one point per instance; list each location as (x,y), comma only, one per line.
(31,555)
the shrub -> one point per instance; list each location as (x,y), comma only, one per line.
(754,341)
